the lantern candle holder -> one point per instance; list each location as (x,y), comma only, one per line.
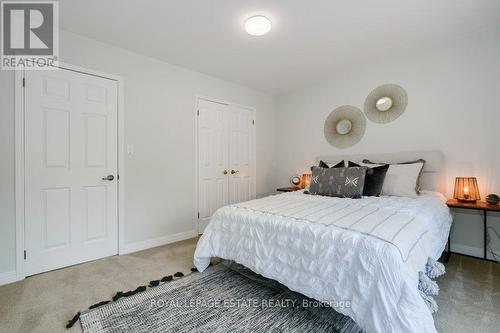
(466,189)
(306,180)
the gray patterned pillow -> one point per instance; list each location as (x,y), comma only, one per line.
(338,182)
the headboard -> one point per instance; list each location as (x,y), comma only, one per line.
(432,176)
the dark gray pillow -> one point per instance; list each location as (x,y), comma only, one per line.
(341,164)
(338,182)
(374,181)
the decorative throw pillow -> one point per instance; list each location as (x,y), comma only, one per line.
(402,179)
(322,164)
(374,181)
(338,182)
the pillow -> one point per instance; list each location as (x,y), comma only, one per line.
(338,182)
(402,179)
(420,161)
(374,181)
(322,164)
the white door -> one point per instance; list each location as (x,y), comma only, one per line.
(226,157)
(213,132)
(71,209)
(241,155)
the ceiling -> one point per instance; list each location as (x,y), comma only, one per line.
(309,41)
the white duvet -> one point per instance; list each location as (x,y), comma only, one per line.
(366,253)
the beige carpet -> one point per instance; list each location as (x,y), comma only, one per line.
(469,300)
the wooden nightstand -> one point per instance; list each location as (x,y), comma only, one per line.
(288,189)
(481,206)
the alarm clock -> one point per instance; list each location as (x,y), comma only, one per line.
(295,180)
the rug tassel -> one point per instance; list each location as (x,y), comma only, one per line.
(117,296)
(154,283)
(434,269)
(98,304)
(140,289)
(137,290)
(426,285)
(429,301)
(73,321)
(179,274)
(167,278)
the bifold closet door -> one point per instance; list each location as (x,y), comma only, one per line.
(226,157)
(71,191)
(213,140)
(241,155)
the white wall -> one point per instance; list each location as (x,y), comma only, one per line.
(7,203)
(454,107)
(160,123)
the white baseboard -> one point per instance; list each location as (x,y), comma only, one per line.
(159,241)
(468,250)
(472,251)
(8,277)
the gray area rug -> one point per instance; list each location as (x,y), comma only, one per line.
(220,299)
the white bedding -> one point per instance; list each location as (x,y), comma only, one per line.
(365,251)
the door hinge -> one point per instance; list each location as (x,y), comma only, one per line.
(117,177)
(253,121)
(24,82)
(24,254)
(198,112)
(198,214)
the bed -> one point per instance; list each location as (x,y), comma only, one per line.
(369,258)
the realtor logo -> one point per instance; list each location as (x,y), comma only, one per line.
(30,34)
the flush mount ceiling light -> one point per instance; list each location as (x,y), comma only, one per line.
(257,25)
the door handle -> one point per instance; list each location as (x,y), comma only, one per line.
(225,172)
(109,177)
(234,171)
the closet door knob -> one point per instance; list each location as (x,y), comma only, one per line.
(234,171)
(109,178)
(225,172)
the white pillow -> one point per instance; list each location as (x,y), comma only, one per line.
(401,179)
